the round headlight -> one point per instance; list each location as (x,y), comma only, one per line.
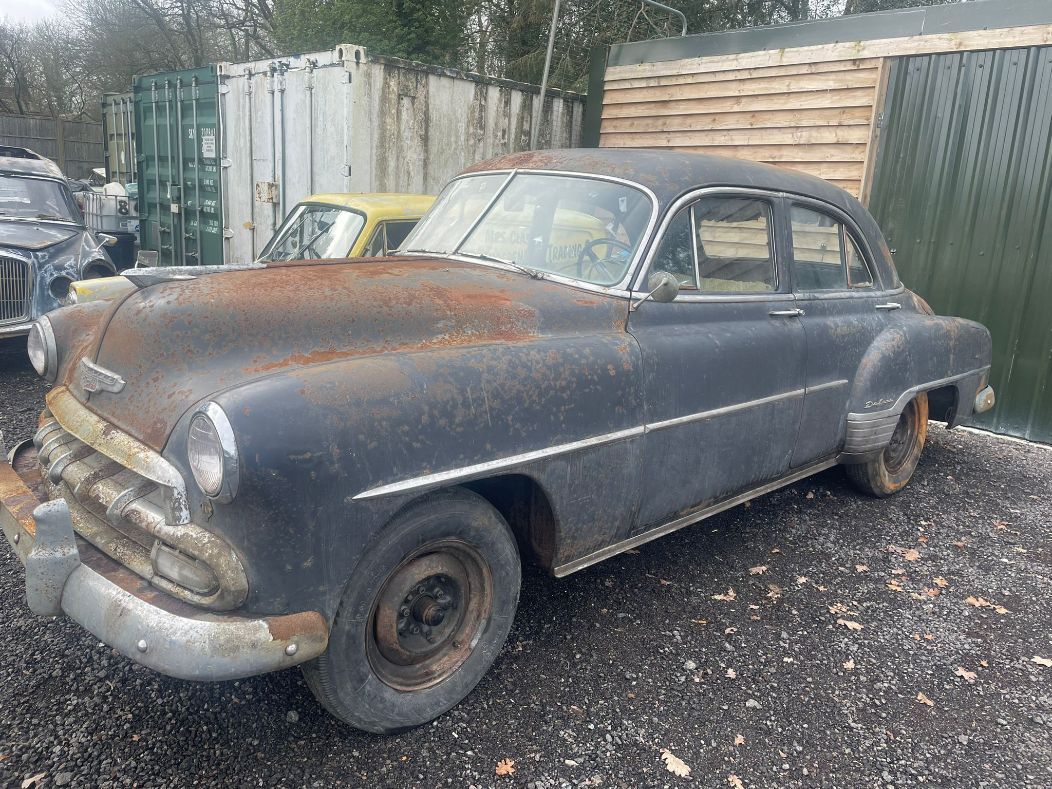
(59,287)
(212,452)
(40,346)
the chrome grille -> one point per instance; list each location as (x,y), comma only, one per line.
(15,289)
(122,513)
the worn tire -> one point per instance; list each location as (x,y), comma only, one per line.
(889,472)
(360,678)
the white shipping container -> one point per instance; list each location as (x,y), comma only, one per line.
(346,121)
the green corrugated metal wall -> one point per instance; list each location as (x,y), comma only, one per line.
(177,128)
(963,192)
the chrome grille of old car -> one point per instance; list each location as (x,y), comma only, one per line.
(16,286)
(125,514)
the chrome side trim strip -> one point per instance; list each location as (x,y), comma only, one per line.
(727,409)
(692,518)
(828,385)
(910,393)
(466,472)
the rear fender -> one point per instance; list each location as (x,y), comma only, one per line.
(949,357)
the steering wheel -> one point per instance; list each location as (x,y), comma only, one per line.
(600,265)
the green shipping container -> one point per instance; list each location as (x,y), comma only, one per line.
(178,134)
(963,192)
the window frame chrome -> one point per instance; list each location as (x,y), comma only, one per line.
(876,287)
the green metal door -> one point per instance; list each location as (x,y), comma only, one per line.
(963,192)
(180,203)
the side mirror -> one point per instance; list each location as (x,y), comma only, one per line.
(107,240)
(663,286)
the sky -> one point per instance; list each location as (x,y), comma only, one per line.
(27,10)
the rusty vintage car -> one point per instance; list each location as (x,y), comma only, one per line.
(341,464)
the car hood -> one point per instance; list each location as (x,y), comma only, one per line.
(178,343)
(34,236)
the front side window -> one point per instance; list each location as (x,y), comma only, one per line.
(583,228)
(315,232)
(720,244)
(35,198)
(825,256)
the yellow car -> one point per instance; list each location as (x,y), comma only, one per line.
(322,226)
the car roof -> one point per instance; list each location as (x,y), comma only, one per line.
(22,161)
(378,205)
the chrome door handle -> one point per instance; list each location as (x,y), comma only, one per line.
(795,313)
(891,305)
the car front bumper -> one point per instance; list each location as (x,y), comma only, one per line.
(66,575)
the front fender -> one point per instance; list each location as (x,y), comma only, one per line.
(322,446)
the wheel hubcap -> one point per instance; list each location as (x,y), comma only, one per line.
(903,440)
(429,614)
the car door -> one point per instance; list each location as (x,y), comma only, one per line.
(724,362)
(844,310)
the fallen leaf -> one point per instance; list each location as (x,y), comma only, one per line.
(849,624)
(674,764)
(929,637)
(984,664)
(1002,525)
(700,621)
(933,592)
(960,544)
(732,674)
(849,664)
(663,582)
(898,571)
(965,674)
(739,740)
(810,494)
(505,767)
(911,555)
(630,695)
(759,569)
(776,550)
(940,582)
(729,631)
(861,568)
(837,608)
(773,591)
(735,781)
(922,539)
(33,780)
(978,602)
(801,579)
(1001,609)
(1042,661)
(894,585)
(729,595)
(925,700)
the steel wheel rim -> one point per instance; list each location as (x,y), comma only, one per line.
(429,615)
(903,440)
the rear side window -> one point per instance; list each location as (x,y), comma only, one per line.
(396,234)
(825,256)
(720,245)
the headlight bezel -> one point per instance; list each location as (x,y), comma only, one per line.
(42,331)
(230,458)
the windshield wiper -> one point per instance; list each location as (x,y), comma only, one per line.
(53,218)
(529,272)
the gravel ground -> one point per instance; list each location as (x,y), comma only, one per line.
(734,644)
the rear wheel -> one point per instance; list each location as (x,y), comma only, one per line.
(423,616)
(889,472)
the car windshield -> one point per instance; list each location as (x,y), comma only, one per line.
(24,197)
(315,232)
(583,228)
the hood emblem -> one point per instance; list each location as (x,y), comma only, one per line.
(94,378)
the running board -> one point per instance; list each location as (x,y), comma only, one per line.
(687,520)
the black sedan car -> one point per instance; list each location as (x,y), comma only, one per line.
(341,464)
(44,245)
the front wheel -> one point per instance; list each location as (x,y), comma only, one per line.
(889,472)
(423,616)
